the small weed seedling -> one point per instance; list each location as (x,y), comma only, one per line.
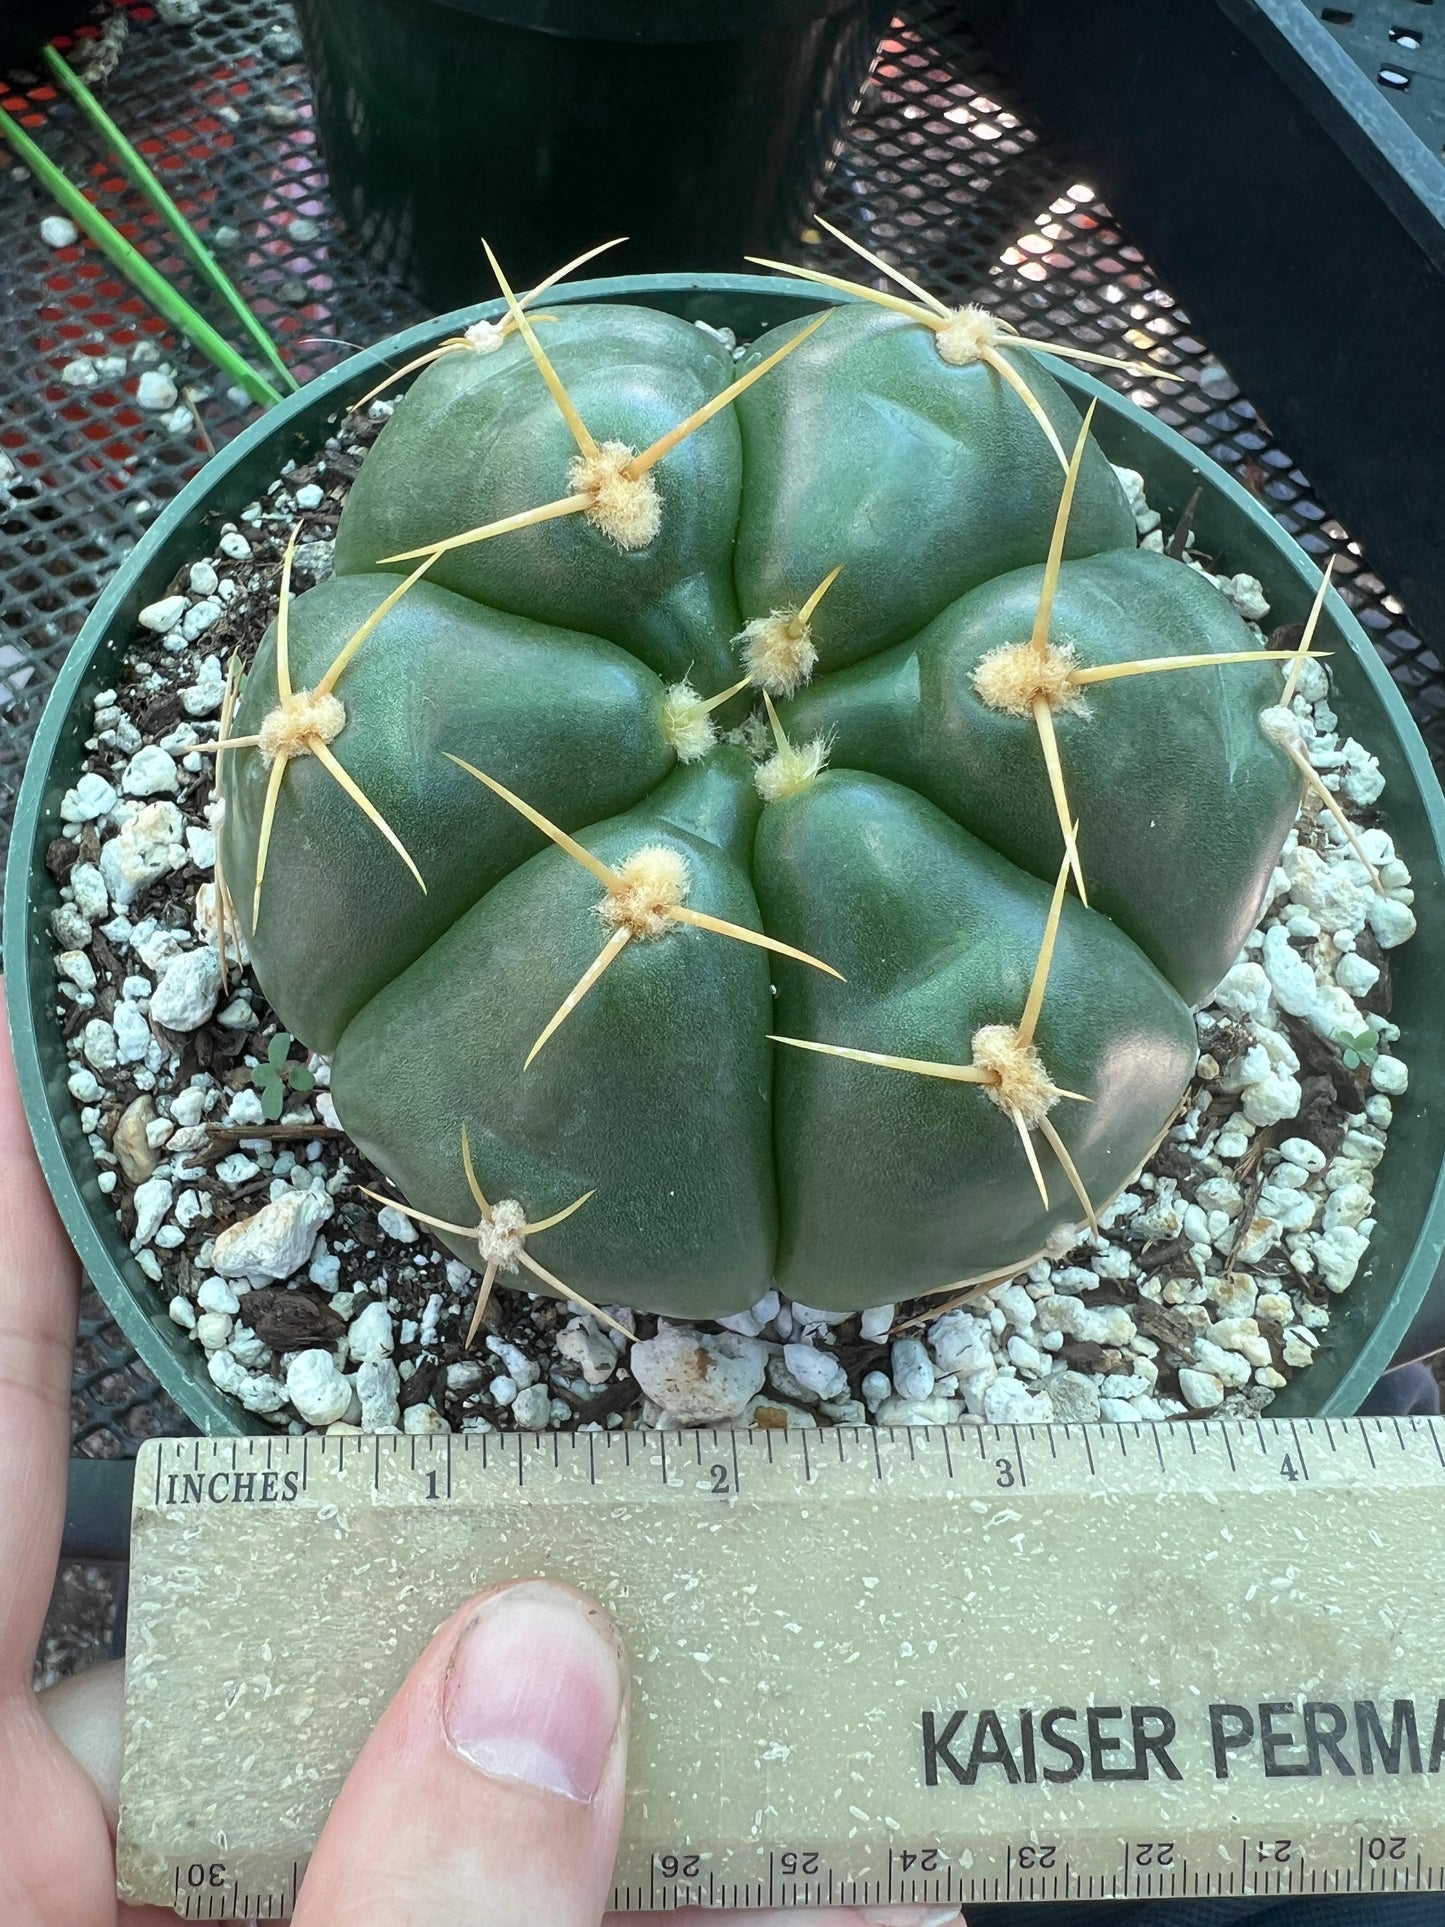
(1359,1049)
(277,1076)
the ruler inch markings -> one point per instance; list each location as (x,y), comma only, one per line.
(904,1532)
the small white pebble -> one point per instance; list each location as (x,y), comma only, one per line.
(77,968)
(876,1387)
(817,1372)
(237,1168)
(150,772)
(97,1042)
(156,392)
(1201,1391)
(1389,1074)
(199,617)
(161,617)
(532,1408)
(320,1393)
(422,1418)
(213,1329)
(912,1369)
(370,1334)
(396,1224)
(216,1295)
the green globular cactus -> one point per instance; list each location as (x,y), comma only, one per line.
(735,823)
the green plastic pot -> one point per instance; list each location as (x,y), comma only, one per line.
(1372,1322)
(698,128)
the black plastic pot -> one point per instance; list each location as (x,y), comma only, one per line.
(1301,223)
(698,128)
(26,25)
(1371,1326)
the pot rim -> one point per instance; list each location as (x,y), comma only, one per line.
(646,23)
(170,1353)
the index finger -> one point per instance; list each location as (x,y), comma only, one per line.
(39,1292)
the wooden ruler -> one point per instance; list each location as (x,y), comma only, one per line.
(959,1663)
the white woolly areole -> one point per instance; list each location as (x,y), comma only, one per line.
(687,723)
(485,337)
(1282,726)
(966,335)
(791,769)
(778,651)
(1013,677)
(627,508)
(1024,1088)
(301,719)
(655,880)
(499,1238)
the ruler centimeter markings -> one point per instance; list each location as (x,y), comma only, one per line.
(898,1666)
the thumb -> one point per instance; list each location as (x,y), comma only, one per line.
(491,1789)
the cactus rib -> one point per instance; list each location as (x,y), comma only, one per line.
(605,473)
(609,481)
(305,722)
(641,902)
(1040,676)
(1012,1074)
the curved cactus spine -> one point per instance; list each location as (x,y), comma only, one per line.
(1040,677)
(485,337)
(225,910)
(1011,1073)
(966,334)
(307,721)
(644,899)
(611,483)
(500,1233)
(962,324)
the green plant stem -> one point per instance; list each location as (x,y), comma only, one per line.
(150,186)
(136,268)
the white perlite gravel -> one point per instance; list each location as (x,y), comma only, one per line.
(1209,1283)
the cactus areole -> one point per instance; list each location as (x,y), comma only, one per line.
(735,822)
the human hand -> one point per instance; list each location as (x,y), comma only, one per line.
(491,1789)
